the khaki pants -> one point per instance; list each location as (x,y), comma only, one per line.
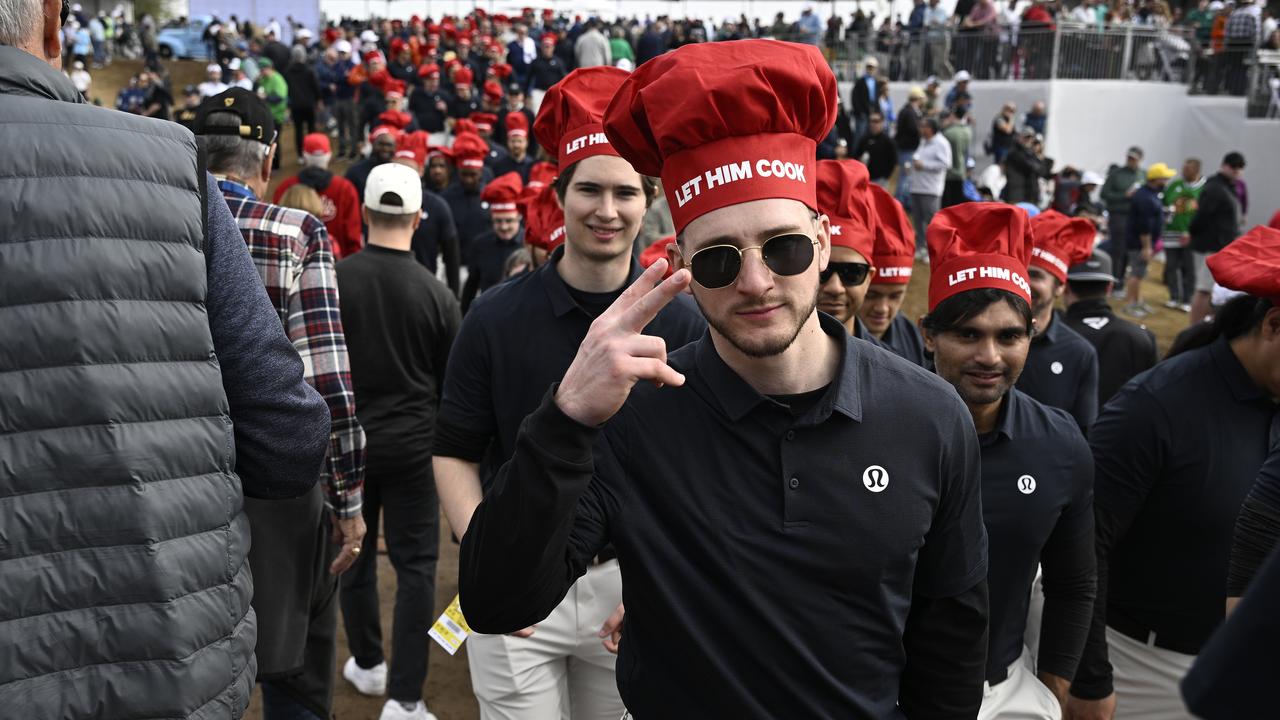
(1146,679)
(562,670)
(1021,697)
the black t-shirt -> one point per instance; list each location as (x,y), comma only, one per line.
(1037,502)
(400,323)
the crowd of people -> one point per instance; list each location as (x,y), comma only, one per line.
(687,479)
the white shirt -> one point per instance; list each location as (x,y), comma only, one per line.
(935,155)
(81,79)
(208,88)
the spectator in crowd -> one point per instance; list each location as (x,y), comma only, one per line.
(862,99)
(653,42)
(429,103)
(439,174)
(521,52)
(1003,132)
(1242,33)
(470,216)
(1037,118)
(1117,193)
(877,151)
(212,84)
(810,27)
(334,78)
(959,89)
(517,158)
(81,79)
(929,168)
(435,239)
(546,70)
(383,142)
(275,91)
(1145,226)
(844,197)
(400,322)
(1086,206)
(1124,349)
(1022,171)
(340,203)
(1180,197)
(156,100)
(907,139)
(591,49)
(90,468)
(959,136)
(303,88)
(489,251)
(295,564)
(619,48)
(1214,225)
(301,197)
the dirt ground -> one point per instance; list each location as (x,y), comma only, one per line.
(448,689)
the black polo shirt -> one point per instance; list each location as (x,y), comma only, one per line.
(769,561)
(423,106)
(1037,501)
(470,217)
(436,238)
(1124,348)
(515,341)
(1175,453)
(1062,372)
(489,257)
(903,337)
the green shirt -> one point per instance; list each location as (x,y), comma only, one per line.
(959,136)
(277,92)
(1182,196)
(619,48)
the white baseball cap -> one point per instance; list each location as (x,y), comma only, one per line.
(213,67)
(369,36)
(963,76)
(1090,178)
(343,46)
(394,189)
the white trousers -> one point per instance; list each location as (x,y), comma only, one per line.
(1021,697)
(1146,679)
(562,671)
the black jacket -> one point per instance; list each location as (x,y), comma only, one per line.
(304,85)
(860,99)
(882,155)
(1022,172)
(908,134)
(1124,348)
(1217,219)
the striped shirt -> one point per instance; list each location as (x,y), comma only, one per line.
(294,257)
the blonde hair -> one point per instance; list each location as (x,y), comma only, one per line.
(303,197)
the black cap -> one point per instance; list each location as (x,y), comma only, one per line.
(514,89)
(1096,269)
(1233,159)
(256,122)
(191,90)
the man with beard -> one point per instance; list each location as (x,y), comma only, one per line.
(341,202)
(1062,367)
(891,257)
(383,140)
(758,479)
(843,197)
(494,380)
(1037,473)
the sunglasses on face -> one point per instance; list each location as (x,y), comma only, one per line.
(718,266)
(851,273)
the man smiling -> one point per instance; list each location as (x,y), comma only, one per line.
(892,256)
(785,553)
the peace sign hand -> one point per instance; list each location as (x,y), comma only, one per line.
(614,355)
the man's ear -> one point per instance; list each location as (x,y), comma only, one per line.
(930,343)
(822,231)
(267,161)
(51,34)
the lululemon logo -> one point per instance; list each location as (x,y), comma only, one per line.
(1056,368)
(875,478)
(1026,484)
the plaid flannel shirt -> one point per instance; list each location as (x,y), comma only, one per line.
(292,252)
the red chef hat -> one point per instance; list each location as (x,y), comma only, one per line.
(517,124)
(441,151)
(465,125)
(1250,264)
(395,118)
(895,246)
(464,76)
(394,87)
(483,120)
(380,79)
(542,174)
(543,219)
(383,130)
(548,38)
(414,146)
(374,56)
(469,150)
(501,70)
(493,90)
(503,193)
(843,197)
(979,245)
(464,40)
(1060,242)
(726,123)
(571,113)
(429,70)
(656,252)
(397,45)
(548,13)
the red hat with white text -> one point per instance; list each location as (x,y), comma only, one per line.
(543,219)
(469,150)
(726,123)
(503,193)
(844,198)
(1061,242)
(895,246)
(569,121)
(979,245)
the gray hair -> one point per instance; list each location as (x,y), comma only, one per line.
(228,154)
(298,55)
(18,20)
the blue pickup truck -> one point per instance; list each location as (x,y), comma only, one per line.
(185,41)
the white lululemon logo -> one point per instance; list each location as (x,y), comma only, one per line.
(1026,484)
(875,478)
(1056,368)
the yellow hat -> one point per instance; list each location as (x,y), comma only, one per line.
(916,92)
(1160,171)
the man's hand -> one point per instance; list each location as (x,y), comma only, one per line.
(350,533)
(614,355)
(1057,685)
(1077,709)
(611,631)
(917,164)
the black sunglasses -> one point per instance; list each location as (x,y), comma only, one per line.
(718,266)
(66,11)
(851,273)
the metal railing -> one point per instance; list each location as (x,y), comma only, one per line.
(1068,51)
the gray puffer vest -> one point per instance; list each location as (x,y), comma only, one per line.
(124,586)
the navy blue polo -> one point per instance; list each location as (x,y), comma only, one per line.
(1062,372)
(903,337)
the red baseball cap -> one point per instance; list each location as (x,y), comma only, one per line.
(1250,264)
(316,144)
(569,121)
(503,193)
(895,244)
(843,197)
(469,150)
(726,123)
(543,219)
(1061,242)
(517,124)
(979,245)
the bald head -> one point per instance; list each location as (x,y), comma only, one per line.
(33,26)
